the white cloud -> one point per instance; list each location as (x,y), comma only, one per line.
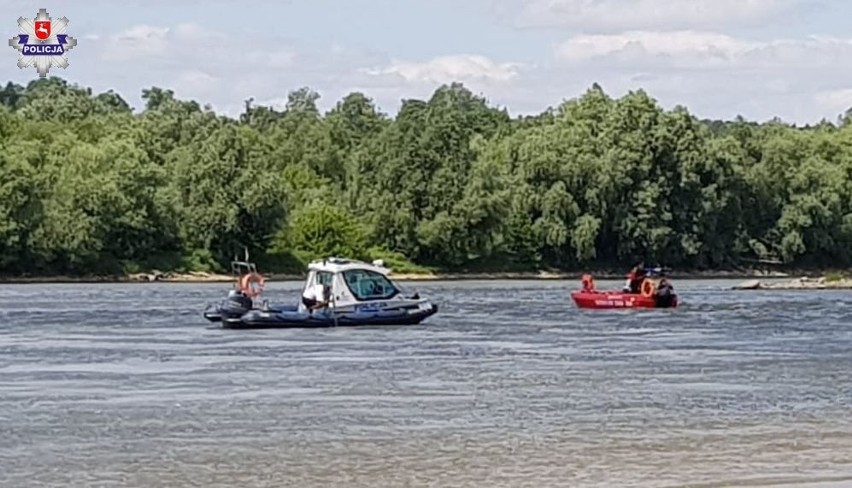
(197,63)
(198,82)
(717,75)
(138,42)
(446,69)
(835,101)
(390,82)
(705,50)
(687,47)
(714,74)
(146,43)
(608,15)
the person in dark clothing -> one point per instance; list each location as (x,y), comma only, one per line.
(634,279)
(665,294)
(638,276)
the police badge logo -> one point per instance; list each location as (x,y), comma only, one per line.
(50,46)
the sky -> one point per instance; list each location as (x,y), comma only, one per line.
(760,59)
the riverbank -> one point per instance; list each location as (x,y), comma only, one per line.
(803,283)
(202,277)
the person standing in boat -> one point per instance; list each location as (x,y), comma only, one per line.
(316,297)
(627,284)
(635,278)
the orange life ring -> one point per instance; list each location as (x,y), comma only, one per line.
(588,282)
(649,287)
(251,284)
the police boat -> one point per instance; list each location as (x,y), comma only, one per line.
(337,292)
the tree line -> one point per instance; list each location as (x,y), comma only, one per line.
(88,186)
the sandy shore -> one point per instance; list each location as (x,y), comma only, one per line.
(803,283)
(576,275)
(201,277)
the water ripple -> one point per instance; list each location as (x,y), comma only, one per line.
(509,385)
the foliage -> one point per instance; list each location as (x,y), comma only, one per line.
(450,182)
(321,230)
(834,277)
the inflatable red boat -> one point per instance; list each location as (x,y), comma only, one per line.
(650,297)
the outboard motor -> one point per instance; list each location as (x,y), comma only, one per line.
(236,305)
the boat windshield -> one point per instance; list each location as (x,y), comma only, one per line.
(369,285)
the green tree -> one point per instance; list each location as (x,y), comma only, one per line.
(89,186)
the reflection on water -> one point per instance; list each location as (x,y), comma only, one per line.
(509,385)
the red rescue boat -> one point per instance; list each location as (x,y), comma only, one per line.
(590,297)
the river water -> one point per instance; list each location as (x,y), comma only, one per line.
(509,385)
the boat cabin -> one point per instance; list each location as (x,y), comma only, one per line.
(352,282)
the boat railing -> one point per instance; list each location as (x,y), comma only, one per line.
(240,268)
